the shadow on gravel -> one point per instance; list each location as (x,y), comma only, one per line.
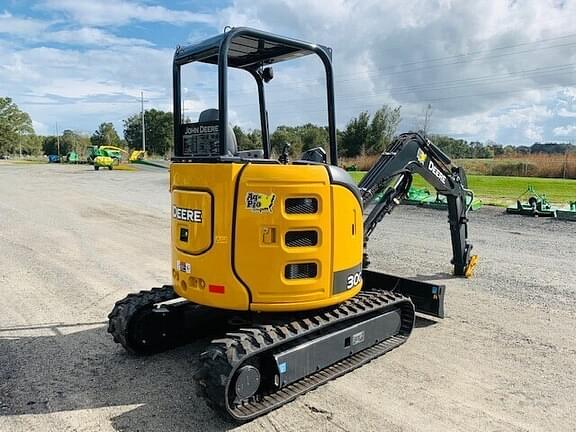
(431,277)
(85,370)
(422,322)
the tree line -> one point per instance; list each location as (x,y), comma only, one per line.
(462,149)
(363,135)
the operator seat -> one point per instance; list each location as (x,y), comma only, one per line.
(212,114)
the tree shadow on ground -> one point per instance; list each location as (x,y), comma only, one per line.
(71,370)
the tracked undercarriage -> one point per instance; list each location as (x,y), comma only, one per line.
(262,361)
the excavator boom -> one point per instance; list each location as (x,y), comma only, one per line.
(389,179)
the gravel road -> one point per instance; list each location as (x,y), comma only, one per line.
(73,241)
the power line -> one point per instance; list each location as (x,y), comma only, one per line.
(442,85)
(438,99)
(461,57)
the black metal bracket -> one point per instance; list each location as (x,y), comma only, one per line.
(428,298)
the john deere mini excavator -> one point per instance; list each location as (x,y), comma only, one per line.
(269,255)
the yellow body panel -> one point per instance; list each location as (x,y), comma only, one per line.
(196,273)
(259,262)
(192,221)
(237,237)
(347,229)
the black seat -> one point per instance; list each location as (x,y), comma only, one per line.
(212,114)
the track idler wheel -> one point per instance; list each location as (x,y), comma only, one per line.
(246,382)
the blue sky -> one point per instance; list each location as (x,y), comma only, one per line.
(490,70)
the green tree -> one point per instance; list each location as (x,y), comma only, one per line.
(455,148)
(383,127)
(283,135)
(31,144)
(15,125)
(159,131)
(313,136)
(105,135)
(73,141)
(254,140)
(50,145)
(355,136)
(248,140)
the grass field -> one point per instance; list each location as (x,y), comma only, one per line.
(503,191)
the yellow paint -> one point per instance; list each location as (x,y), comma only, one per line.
(240,244)
(199,234)
(137,155)
(347,229)
(469,271)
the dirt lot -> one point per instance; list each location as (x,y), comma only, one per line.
(72,241)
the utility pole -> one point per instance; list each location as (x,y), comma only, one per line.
(143,127)
(58,140)
(427,117)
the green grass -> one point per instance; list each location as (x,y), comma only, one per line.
(357,175)
(27,161)
(503,191)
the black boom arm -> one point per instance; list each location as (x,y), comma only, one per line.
(389,179)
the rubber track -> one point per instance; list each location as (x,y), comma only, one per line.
(125,309)
(224,356)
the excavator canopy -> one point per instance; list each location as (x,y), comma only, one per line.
(253,51)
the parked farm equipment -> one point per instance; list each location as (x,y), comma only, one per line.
(567,214)
(423,198)
(537,205)
(106,156)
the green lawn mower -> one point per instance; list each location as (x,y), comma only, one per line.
(423,198)
(537,205)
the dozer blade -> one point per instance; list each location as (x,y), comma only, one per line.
(261,367)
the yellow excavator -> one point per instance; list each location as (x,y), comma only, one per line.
(269,255)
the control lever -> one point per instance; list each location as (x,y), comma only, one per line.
(283,159)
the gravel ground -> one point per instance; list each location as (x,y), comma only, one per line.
(73,241)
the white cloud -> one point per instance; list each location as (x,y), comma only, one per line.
(569,130)
(89,36)
(526,122)
(10,24)
(490,61)
(80,89)
(501,70)
(119,12)
(565,113)
(38,31)
(41,128)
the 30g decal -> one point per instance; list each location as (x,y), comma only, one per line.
(353,279)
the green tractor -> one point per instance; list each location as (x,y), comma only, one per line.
(105,156)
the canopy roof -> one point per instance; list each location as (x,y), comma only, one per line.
(248,48)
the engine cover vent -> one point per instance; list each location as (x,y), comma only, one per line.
(301,205)
(301,271)
(301,238)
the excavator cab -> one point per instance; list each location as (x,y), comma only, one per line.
(269,254)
